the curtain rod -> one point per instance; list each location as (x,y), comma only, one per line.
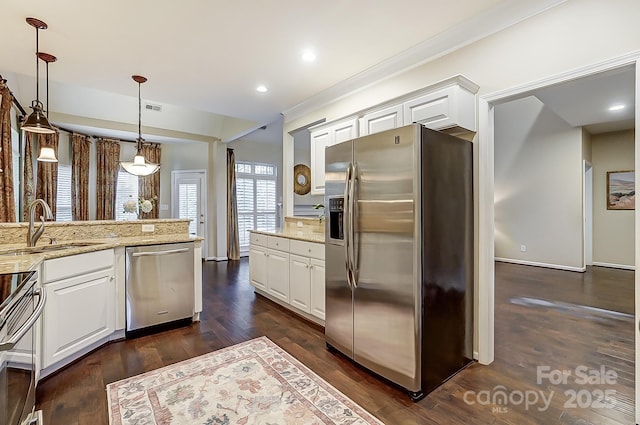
(15,101)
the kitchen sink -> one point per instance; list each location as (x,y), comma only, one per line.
(45,248)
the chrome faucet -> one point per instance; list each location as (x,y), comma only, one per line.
(34,235)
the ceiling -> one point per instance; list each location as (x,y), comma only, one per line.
(210,55)
(585,102)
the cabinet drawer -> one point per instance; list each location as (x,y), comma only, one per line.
(275,242)
(75,265)
(258,239)
(307,249)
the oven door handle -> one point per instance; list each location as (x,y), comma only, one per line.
(13,340)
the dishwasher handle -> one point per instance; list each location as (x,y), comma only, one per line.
(158,253)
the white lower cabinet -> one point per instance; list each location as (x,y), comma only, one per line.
(317,287)
(300,282)
(80,309)
(258,266)
(294,272)
(278,274)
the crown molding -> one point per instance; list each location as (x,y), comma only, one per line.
(493,20)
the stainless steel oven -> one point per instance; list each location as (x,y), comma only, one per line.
(21,304)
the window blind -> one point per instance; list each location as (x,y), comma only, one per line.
(63,194)
(126,189)
(256,198)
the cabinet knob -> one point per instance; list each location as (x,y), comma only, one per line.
(311,266)
(309,249)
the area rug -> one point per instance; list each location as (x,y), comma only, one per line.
(252,383)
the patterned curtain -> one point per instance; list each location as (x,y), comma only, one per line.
(47,186)
(233,243)
(149,186)
(108,163)
(80,150)
(28,178)
(7,201)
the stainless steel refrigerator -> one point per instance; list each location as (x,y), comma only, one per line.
(399,254)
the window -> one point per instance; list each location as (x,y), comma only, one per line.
(188,205)
(63,193)
(126,189)
(256,198)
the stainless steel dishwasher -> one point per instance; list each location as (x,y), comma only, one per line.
(159,284)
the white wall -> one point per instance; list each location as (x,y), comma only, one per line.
(613,230)
(572,35)
(538,185)
(247,150)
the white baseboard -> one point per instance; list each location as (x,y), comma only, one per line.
(536,264)
(614,266)
(216,259)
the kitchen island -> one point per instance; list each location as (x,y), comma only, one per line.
(83,273)
(287,266)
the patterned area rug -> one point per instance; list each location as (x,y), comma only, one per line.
(255,382)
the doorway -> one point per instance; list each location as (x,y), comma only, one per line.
(188,200)
(485,150)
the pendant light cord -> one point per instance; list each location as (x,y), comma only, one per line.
(37,70)
(139,119)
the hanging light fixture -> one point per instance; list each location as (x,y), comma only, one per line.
(139,166)
(47,154)
(37,122)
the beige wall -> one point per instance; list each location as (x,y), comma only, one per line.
(613,231)
(538,185)
(175,157)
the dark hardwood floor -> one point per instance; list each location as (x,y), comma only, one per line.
(541,320)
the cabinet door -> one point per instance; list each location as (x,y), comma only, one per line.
(317,288)
(347,130)
(320,139)
(278,274)
(299,282)
(78,313)
(258,267)
(385,119)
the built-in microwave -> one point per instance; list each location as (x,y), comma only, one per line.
(21,304)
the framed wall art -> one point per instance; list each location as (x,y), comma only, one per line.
(621,191)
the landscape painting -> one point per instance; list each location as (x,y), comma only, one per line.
(621,191)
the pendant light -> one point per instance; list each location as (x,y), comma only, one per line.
(139,166)
(47,154)
(37,122)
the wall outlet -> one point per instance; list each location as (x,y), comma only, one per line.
(148,227)
(523,248)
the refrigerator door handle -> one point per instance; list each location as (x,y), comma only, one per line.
(353,253)
(346,222)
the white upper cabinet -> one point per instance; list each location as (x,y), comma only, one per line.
(449,107)
(385,119)
(321,137)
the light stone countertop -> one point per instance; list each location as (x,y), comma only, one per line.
(294,234)
(21,263)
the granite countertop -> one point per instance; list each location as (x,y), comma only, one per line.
(294,234)
(26,262)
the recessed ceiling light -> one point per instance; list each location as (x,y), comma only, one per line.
(616,108)
(261,89)
(308,56)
